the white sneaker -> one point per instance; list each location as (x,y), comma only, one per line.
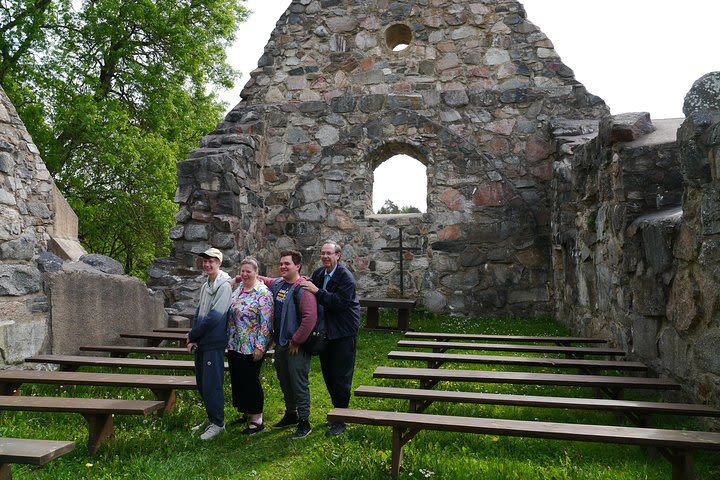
(201,426)
(212,431)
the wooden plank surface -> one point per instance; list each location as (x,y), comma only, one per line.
(521,428)
(521,361)
(387,302)
(176,336)
(502,347)
(110,362)
(537,401)
(104,379)
(503,338)
(525,378)
(79,405)
(31,451)
(127,349)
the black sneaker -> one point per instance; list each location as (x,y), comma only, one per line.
(336,428)
(288,420)
(303,429)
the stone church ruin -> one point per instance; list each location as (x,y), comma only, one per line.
(538,201)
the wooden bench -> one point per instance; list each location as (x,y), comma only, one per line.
(677,446)
(172,330)
(163,386)
(441,336)
(569,352)
(125,350)
(30,452)
(97,412)
(402,305)
(636,411)
(73,362)
(154,339)
(435,360)
(612,386)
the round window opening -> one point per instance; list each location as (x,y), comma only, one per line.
(398,37)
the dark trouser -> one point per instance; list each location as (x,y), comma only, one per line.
(209,371)
(292,371)
(338,365)
(247,392)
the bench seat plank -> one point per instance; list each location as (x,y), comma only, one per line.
(79,405)
(125,350)
(163,386)
(638,407)
(503,338)
(435,359)
(613,385)
(154,339)
(676,445)
(98,413)
(75,361)
(502,347)
(31,451)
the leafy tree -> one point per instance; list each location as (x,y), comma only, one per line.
(391,207)
(114,93)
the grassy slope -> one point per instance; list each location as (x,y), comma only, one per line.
(162,447)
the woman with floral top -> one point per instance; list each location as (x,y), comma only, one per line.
(248,336)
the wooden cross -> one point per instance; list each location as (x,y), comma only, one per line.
(400,249)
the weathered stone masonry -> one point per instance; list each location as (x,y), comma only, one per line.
(471,97)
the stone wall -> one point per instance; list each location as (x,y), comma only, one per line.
(471,97)
(26,223)
(48,305)
(635,241)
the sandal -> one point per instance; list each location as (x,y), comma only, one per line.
(254,428)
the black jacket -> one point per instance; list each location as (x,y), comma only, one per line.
(339,301)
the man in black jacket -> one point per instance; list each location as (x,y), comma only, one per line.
(334,288)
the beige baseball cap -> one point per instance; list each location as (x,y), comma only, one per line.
(212,253)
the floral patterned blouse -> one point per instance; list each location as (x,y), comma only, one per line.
(250,319)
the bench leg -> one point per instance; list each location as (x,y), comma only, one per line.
(100,430)
(168,396)
(5,472)
(403,319)
(682,463)
(373,317)
(400,436)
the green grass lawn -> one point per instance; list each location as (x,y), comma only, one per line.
(164,448)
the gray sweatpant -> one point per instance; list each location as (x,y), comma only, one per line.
(292,372)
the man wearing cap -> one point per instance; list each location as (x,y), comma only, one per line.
(207,339)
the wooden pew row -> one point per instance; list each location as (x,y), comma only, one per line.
(435,360)
(442,336)
(402,305)
(163,386)
(30,452)
(637,412)
(73,362)
(569,352)
(676,446)
(97,412)
(125,350)
(612,386)
(154,339)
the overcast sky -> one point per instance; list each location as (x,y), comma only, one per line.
(637,55)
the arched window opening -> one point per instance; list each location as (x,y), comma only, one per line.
(400,186)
